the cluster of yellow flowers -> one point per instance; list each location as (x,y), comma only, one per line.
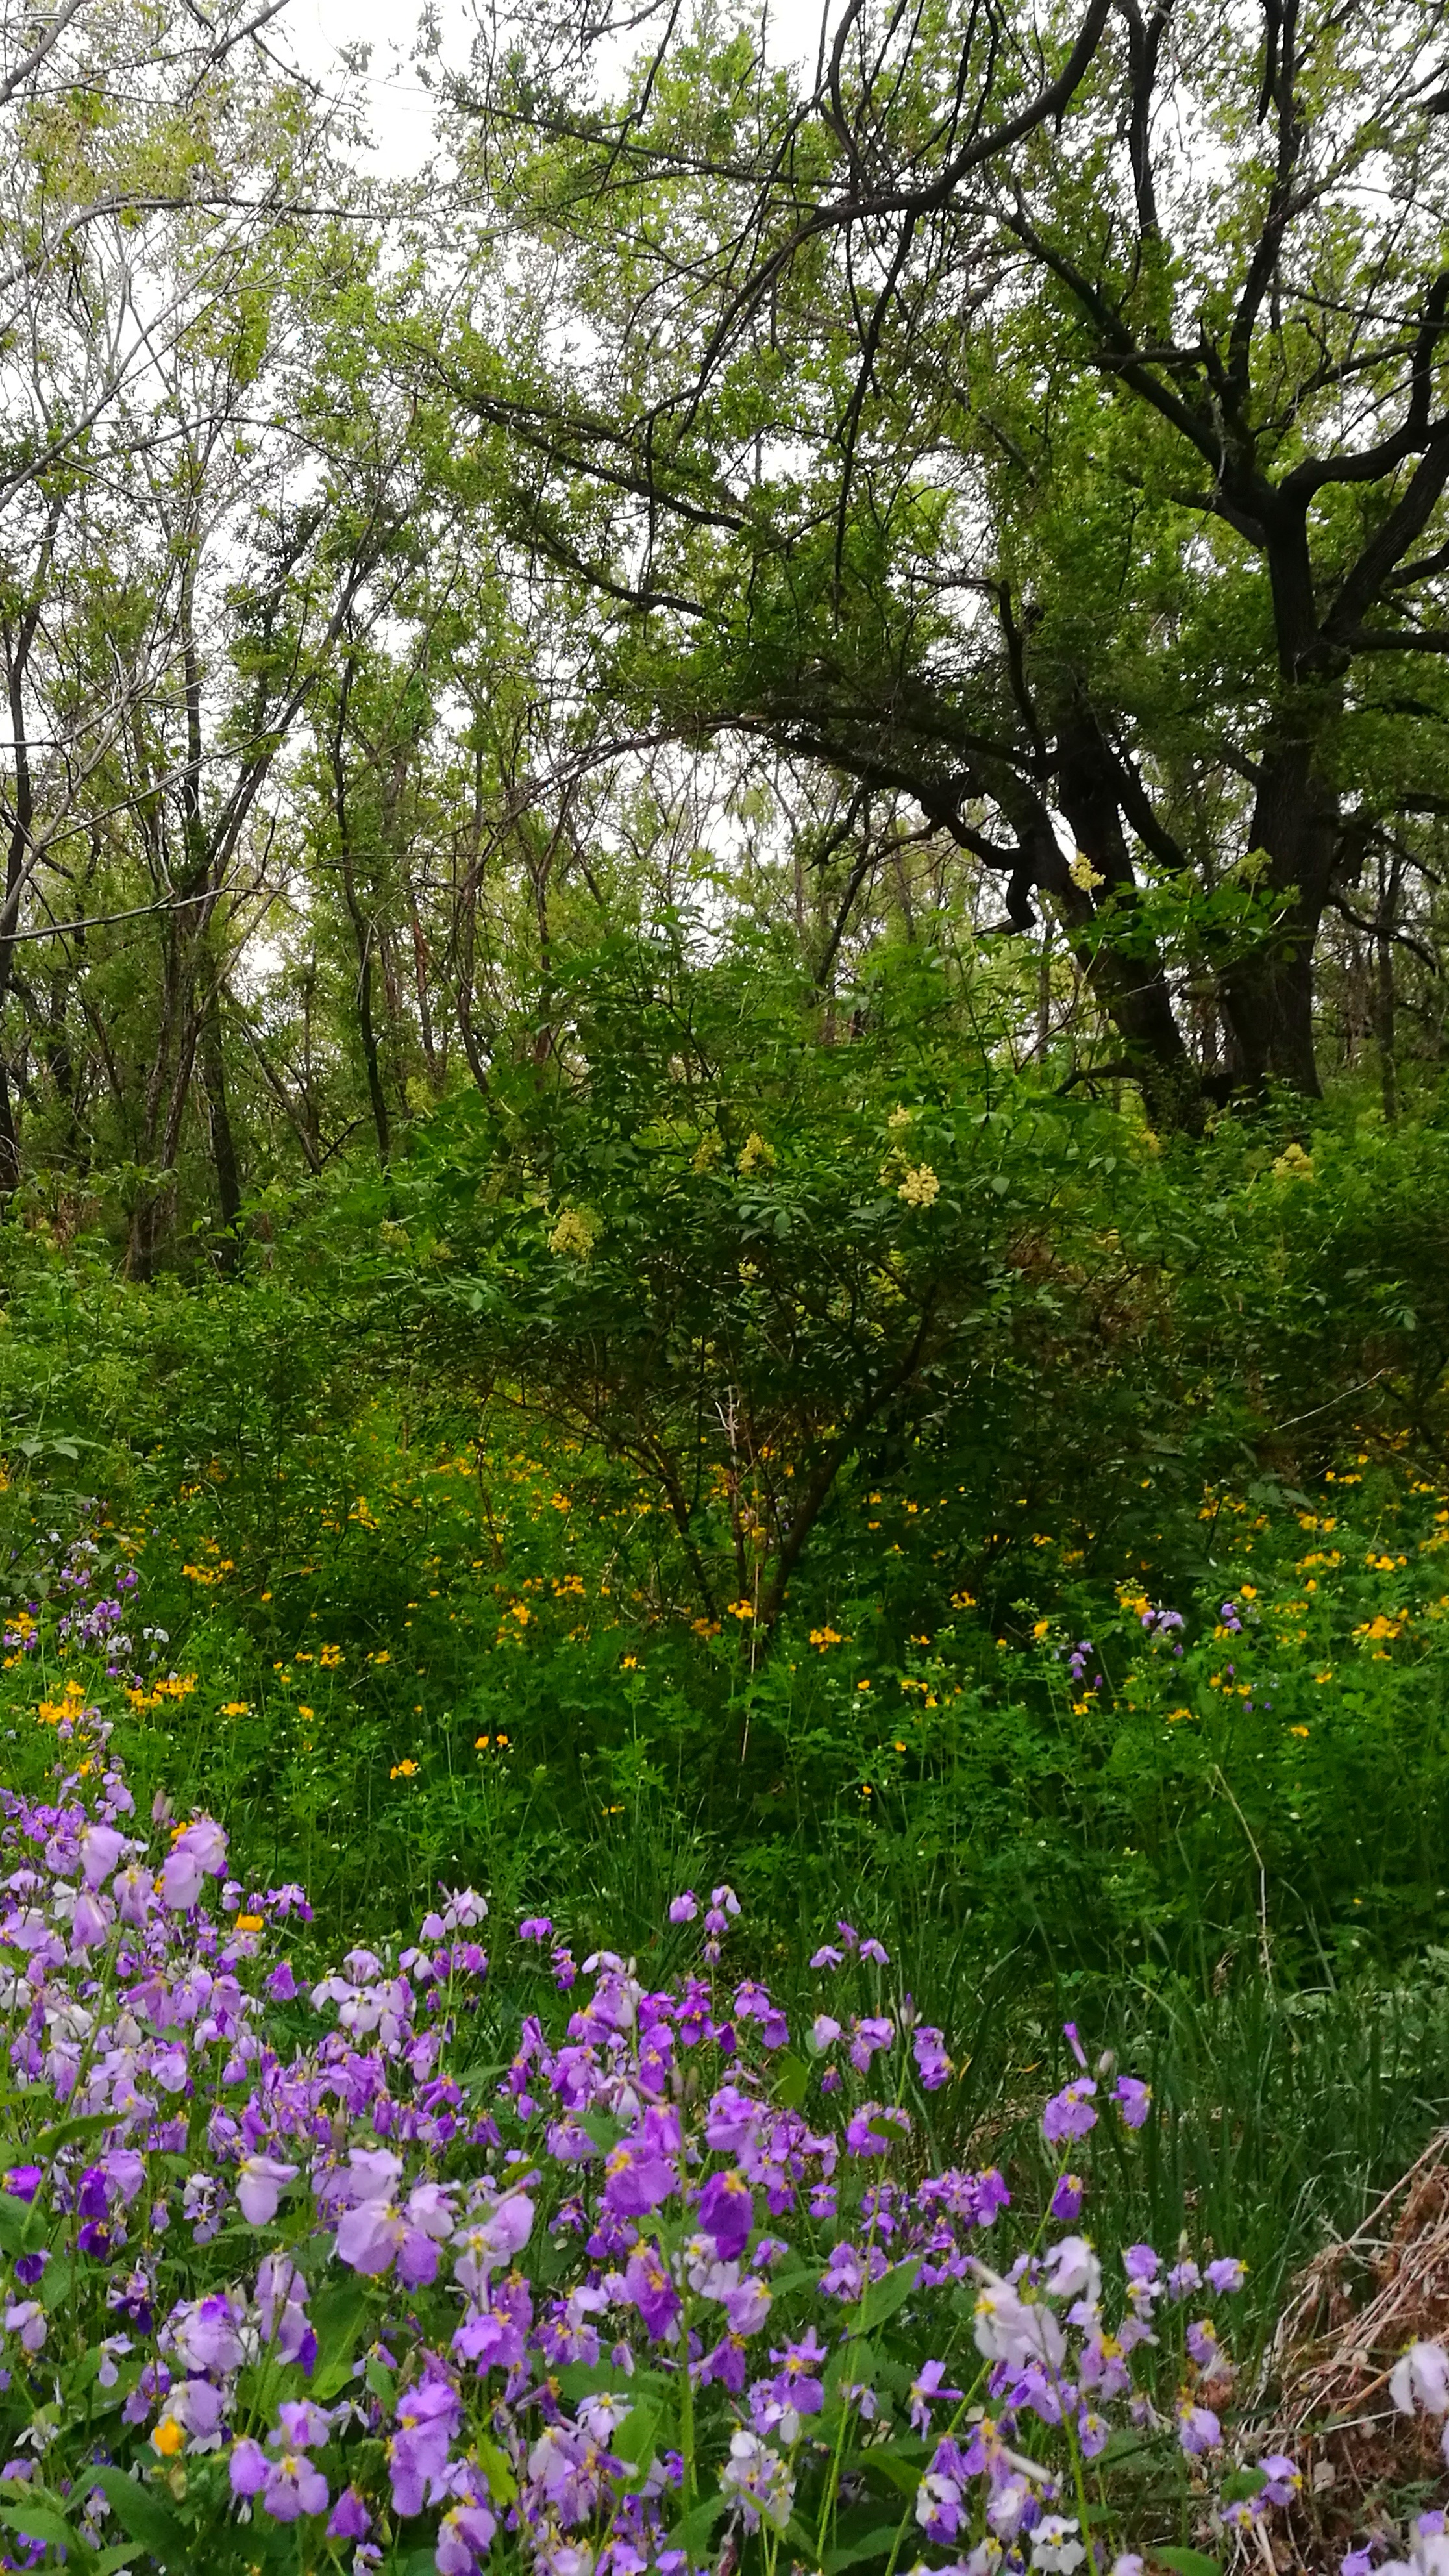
(52,1712)
(575,1235)
(171,1686)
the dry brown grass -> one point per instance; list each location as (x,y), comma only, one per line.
(1366,2467)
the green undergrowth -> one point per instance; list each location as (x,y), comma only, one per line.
(1155,1742)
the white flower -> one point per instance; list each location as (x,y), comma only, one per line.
(1016,2330)
(1428,2557)
(1005,2510)
(934,2491)
(1054,2543)
(1421,2376)
(757,2475)
(1073,2271)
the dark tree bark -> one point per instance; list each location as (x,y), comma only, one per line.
(362,930)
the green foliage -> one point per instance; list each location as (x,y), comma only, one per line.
(634,1500)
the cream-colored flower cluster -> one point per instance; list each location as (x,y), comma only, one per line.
(575,1235)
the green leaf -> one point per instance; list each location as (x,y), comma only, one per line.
(120,2556)
(873,2544)
(20,2225)
(338,2318)
(140,2511)
(799,2276)
(883,2297)
(37,2522)
(792,2081)
(691,2533)
(605,2133)
(635,2439)
(579,2379)
(502,2484)
(1243,2483)
(853,2363)
(1123,2443)
(898,2471)
(1187,2562)
(67,2133)
(54,2285)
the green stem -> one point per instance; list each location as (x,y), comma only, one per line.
(686,2398)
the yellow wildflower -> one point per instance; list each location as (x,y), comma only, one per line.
(575,1235)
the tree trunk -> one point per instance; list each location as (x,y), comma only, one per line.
(1384,999)
(223,1139)
(362,932)
(1124,967)
(1268,995)
(20,857)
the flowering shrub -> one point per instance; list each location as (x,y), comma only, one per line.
(305,2277)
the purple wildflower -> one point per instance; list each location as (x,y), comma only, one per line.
(1133,2098)
(1069,2114)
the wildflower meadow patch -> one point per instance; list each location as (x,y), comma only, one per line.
(360,2272)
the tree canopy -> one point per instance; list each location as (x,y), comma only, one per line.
(979,487)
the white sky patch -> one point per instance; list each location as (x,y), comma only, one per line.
(399,107)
